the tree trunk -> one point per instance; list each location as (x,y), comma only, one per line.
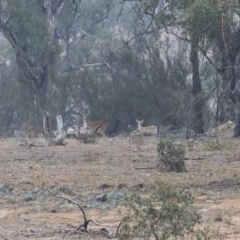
(231,49)
(236,95)
(237,126)
(225,106)
(198,102)
(35,72)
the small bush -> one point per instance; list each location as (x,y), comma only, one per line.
(171,155)
(137,138)
(164,132)
(168,212)
(219,144)
(89,137)
(27,126)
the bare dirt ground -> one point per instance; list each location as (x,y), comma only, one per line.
(107,165)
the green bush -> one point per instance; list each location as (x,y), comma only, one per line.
(166,213)
(27,126)
(171,155)
(137,138)
(88,137)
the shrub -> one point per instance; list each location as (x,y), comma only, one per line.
(27,126)
(219,144)
(171,155)
(137,138)
(89,137)
(168,212)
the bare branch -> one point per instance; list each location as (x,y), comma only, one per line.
(57,8)
(106,15)
(236,87)
(210,60)
(131,39)
(86,222)
(104,231)
(120,13)
(85,33)
(99,65)
(119,225)
(200,48)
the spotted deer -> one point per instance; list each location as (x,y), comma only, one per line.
(97,126)
(150,129)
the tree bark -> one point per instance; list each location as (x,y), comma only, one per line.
(231,48)
(198,102)
(225,106)
(237,126)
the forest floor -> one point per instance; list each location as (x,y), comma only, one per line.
(80,171)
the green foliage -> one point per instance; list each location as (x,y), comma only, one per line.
(145,75)
(88,137)
(171,155)
(32,36)
(27,29)
(166,213)
(27,126)
(200,19)
(164,132)
(137,138)
(149,5)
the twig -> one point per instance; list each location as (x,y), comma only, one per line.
(70,233)
(104,231)
(86,222)
(20,159)
(138,168)
(236,87)
(99,65)
(129,40)
(198,158)
(119,225)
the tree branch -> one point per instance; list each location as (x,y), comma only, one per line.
(86,222)
(85,33)
(200,48)
(129,40)
(236,86)
(106,15)
(98,65)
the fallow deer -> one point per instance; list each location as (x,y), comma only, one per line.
(150,129)
(97,126)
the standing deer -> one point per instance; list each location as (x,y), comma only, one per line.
(97,126)
(150,129)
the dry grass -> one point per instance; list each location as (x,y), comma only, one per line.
(84,168)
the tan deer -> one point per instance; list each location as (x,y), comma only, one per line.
(97,126)
(150,129)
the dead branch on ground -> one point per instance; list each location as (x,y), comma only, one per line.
(85,226)
(144,168)
(197,158)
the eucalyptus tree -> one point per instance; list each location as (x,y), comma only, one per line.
(178,20)
(86,64)
(217,22)
(172,15)
(24,24)
(9,89)
(227,52)
(45,36)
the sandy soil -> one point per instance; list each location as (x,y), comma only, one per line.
(85,168)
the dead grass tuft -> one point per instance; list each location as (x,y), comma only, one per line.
(218,144)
